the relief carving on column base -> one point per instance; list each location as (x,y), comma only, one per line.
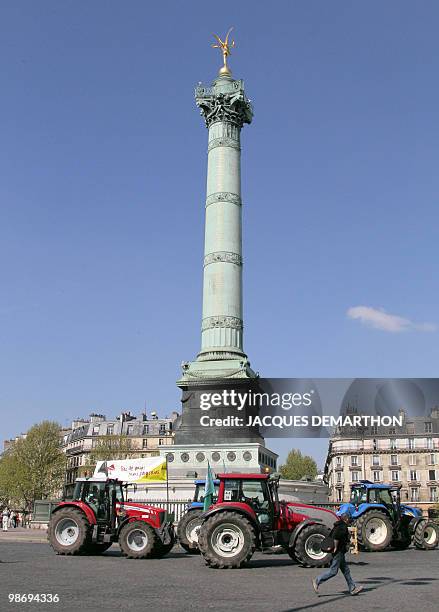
(226,355)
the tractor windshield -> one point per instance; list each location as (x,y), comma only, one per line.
(358,496)
(252,492)
(77,492)
(380,496)
(199,493)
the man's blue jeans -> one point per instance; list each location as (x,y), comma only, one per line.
(338,563)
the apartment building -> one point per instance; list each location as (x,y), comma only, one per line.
(145,436)
(407,455)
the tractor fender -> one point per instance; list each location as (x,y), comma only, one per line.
(194,506)
(80,506)
(346,508)
(298,529)
(238,508)
(363,508)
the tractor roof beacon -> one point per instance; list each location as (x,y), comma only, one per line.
(248,516)
(98,515)
(189,524)
(382,520)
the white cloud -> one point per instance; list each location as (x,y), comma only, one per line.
(380,319)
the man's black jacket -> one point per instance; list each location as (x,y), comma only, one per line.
(340,533)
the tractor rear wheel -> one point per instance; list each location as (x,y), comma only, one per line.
(138,540)
(187,531)
(69,532)
(227,540)
(307,550)
(374,530)
(426,536)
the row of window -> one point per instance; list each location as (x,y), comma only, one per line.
(395,476)
(145,443)
(428,428)
(163,429)
(75,461)
(386,443)
(355,460)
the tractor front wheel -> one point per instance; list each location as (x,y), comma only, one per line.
(227,540)
(374,530)
(308,547)
(187,530)
(426,536)
(138,540)
(69,532)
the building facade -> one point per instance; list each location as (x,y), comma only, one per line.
(407,456)
(144,438)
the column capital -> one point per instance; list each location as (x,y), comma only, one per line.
(224,101)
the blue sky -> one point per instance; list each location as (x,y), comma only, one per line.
(103,161)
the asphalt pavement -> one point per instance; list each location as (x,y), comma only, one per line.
(405,580)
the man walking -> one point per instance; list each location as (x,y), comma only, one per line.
(5,519)
(340,535)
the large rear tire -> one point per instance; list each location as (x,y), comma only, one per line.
(307,549)
(227,540)
(374,530)
(69,532)
(426,536)
(138,540)
(187,531)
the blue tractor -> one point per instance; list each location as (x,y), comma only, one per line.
(382,520)
(189,524)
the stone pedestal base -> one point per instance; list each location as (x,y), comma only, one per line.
(191,431)
(190,460)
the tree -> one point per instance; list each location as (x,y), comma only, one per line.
(33,468)
(110,447)
(298,466)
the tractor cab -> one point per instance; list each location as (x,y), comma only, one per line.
(386,495)
(101,495)
(253,490)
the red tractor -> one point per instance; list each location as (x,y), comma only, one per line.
(97,516)
(248,516)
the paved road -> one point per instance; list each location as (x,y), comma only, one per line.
(403,581)
(21,534)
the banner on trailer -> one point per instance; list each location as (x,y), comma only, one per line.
(150,469)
